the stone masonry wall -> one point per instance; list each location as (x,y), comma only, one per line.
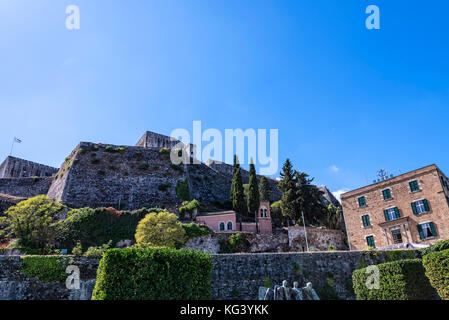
(25,187)
(234,276)
(14,167)
(318,239)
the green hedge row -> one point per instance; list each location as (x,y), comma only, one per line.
(398,280)
(45,268)
(439,246)
(437,270)
(153,274)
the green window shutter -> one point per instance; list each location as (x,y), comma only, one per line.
(433,229)
(426,205)
(396,212)
(415,210)
(421,233)
(386,215)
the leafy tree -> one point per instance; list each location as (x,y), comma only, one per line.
(289,191)
(253,191)
(31,222)
(160,230)
(264,188)
(334,218)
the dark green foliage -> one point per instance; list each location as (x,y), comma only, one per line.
(299,195)
(98,250)
(234,244)
(327,292)
(393,255)
(437,270)
(194,230)
(398,280)
(46,268)
(253,192)
(163,186)
(144,166)
(439,246)
(264,188)
(111,149)
(95,227)
(188,208)
(182,190)
(153,274)
(237,192)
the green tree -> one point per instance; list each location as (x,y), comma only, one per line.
(253,191)
(31,222)
(234,172)
(238,193)
(264,188)
(160,230)
(289,191)
(308,199)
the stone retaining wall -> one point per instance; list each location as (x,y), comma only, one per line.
(234,276)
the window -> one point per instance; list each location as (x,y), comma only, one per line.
(427,230)
(370,241)
(414,186)
(222,226)
(362,201)
(366,221)
(397,236)
(391,214)
(421,206)
(386,194)
(229,225)
(263,212)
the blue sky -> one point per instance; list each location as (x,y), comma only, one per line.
(346,100)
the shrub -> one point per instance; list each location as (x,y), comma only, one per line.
(164,151)
(188,208)
(95,227)
(194,230)
(234,244)
(439,246)
(160,229)
(398,280)
(45,268)
(437,270)
(182,190)
(31,222)
(98,251)
(111,149)
(78,249)
(153,274)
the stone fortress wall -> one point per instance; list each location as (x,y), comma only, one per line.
(14,167)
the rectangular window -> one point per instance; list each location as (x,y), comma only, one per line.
(366,221)
(427,230)
(370,241)
(421,206)
(362,202)
(387,194)
(414,186)
(391,214)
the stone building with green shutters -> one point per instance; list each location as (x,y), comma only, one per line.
(410,208)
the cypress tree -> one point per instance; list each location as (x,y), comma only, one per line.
(238,198)
(234,171)
(264,189)
(253,192)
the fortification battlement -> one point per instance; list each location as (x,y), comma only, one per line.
(14,167)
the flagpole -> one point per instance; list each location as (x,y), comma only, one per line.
(12,146)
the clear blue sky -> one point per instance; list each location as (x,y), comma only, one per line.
(346,100)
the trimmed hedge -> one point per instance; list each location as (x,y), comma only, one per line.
(439,246)
(153,274)
(398,280)
(437,270)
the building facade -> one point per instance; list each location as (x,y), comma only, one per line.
(227,221)
(410,208)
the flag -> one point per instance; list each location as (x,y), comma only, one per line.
(17,140)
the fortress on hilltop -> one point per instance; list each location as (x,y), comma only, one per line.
(123,177)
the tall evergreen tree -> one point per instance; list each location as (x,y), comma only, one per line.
(234,171)
(238,197)
(253,192)
(288,187)
(264,188)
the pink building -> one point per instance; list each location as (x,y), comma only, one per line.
(227,221)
